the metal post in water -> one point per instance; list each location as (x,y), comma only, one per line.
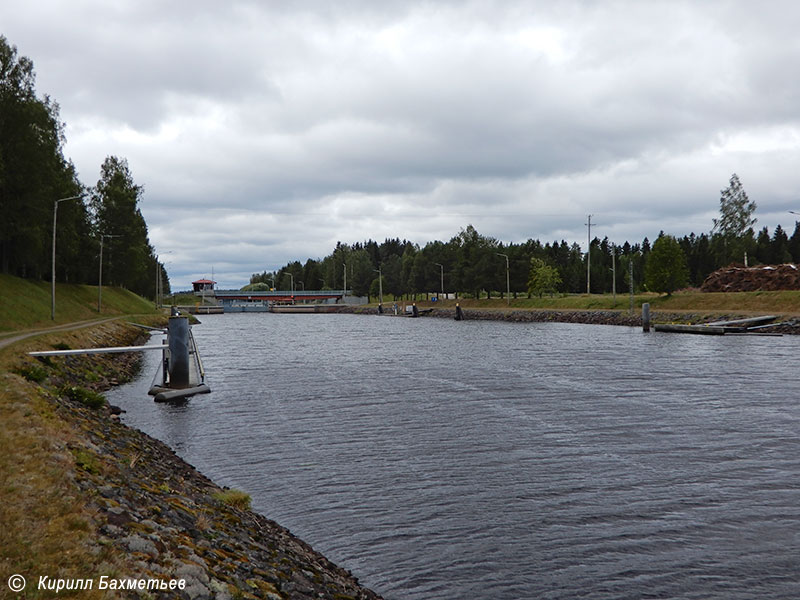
(178,336)
(646,316)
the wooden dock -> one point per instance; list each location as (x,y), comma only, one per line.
(748,326)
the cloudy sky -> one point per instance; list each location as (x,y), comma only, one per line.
(265,132)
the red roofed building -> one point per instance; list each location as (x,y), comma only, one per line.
(203,285)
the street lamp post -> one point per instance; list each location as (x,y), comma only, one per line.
(303,284)
(508,279)
(614,272)
(291,278)
(589,256)
(380,285)
(158,277)
(159,284)
(441,274)
(53,278)
(100,274)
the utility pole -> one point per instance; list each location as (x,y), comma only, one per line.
(589,257)
(345,279)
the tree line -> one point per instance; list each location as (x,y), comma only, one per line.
(34,175)
(474,265)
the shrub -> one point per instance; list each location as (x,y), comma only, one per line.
(86,461)
(33,373)
(84,396)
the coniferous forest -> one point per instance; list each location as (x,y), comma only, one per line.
(472,264)
(35,176)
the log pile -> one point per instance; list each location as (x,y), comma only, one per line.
(738,278)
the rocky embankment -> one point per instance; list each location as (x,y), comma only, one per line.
(170,522)
(589,317)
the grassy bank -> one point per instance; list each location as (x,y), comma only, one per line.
(25,303)
(782,302)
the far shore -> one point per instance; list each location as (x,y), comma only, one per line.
(786,323)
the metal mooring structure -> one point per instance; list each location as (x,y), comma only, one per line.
(181,373)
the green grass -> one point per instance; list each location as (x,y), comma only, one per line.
(84,396)
(25,303)
(233,497)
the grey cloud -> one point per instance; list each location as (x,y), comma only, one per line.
(344,118)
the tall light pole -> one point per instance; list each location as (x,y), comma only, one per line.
(508,279)
(589,257)
(100,274)
(159,284)
(345,278)
(303,284)
(53,278)
(158,277)
(291,277)
(441,274)
(614,272)
(380,285)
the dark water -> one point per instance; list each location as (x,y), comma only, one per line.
(438,459)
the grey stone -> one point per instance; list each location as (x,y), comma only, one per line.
(136,543)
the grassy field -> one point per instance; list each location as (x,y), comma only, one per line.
(25,304)
(783,302)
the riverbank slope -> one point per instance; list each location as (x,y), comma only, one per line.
(27,304)
(85,496)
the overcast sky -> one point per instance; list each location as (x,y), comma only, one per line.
(265,132)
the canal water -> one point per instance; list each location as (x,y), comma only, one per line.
(490,460)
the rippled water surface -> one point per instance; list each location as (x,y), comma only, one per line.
(452,460)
